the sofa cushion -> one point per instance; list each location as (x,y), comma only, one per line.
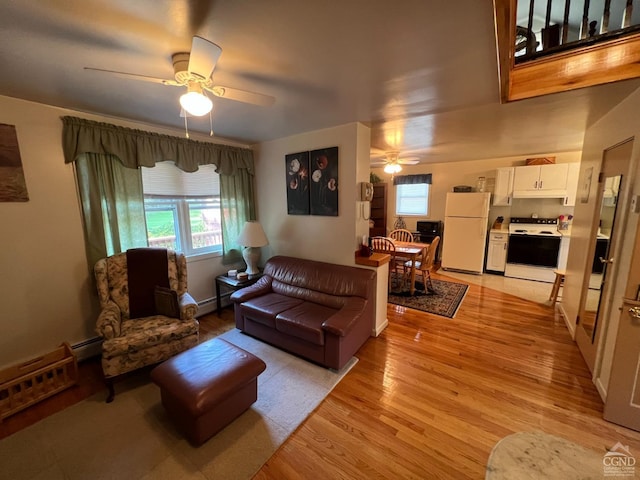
(305,322)
(264,309)
(308,278)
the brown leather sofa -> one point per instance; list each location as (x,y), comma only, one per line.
(320,311)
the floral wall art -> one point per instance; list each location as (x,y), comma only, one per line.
(297,165)
(13,187)
(324,181)
(312,182)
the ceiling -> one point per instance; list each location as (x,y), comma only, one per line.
(421,73)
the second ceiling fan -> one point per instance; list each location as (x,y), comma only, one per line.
(392,161)
(193,70)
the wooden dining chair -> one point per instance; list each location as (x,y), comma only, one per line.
(401,235)
(424,266)
(385,245)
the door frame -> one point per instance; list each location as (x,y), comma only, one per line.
(592,351)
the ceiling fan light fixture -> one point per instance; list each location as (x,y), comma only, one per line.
(392,168)
(195,102)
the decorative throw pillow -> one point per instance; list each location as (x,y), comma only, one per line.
(167,302)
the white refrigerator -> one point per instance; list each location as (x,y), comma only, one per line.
(465,231)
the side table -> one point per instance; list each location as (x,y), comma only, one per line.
(231,284)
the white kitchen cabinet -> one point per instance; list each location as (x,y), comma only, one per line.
(572,184)
(542,181)
(503,190)
(497,251)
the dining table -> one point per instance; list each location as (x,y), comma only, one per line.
(411,251)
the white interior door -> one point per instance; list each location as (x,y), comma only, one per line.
(596,303)
(623,397)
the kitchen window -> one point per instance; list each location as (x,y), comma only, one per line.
(412,199)
(182,210)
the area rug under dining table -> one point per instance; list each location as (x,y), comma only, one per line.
(444,299)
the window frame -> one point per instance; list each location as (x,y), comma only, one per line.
(168,188)
(181,208)
(426,197)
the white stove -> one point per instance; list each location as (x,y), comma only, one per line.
(534,226)
(533,249)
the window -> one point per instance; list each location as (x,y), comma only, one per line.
(412,199)
(182,209)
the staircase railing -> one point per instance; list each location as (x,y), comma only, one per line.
(545,27)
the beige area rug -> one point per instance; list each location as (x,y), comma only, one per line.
(132,438)
(537,455)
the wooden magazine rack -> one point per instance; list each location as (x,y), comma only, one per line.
(27,383)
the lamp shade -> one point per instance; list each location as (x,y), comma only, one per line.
(252,235)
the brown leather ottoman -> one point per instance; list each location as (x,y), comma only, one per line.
(205,388)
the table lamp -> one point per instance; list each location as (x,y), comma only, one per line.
(252,238)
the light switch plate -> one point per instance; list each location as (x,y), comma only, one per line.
(635,204)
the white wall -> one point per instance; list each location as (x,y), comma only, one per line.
(45,293)
(328,239)
(449,174)
(619,124)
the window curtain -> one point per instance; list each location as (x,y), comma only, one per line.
(412,179)
(136,148)
(112,205)
(235,192)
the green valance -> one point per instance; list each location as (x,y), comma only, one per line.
(137,148)
(412,179)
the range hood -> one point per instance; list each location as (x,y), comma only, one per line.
(539,193)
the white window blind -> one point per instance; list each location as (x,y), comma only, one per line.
(412,199)
(182,210)
(167,180)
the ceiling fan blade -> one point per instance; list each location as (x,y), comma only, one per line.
(242,95)
(377,164)
(135,76)
(408,161)
(203,57)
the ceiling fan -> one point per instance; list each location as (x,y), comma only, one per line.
(392,161)
(193,70)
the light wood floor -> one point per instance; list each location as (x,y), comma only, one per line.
(431,396)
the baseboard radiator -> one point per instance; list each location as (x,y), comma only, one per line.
(207,305)
(91,347)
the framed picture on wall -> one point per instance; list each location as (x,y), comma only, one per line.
(297,178)
(13,187)
(586,185)
(324,181)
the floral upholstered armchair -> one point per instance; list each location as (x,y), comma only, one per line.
(147,315)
